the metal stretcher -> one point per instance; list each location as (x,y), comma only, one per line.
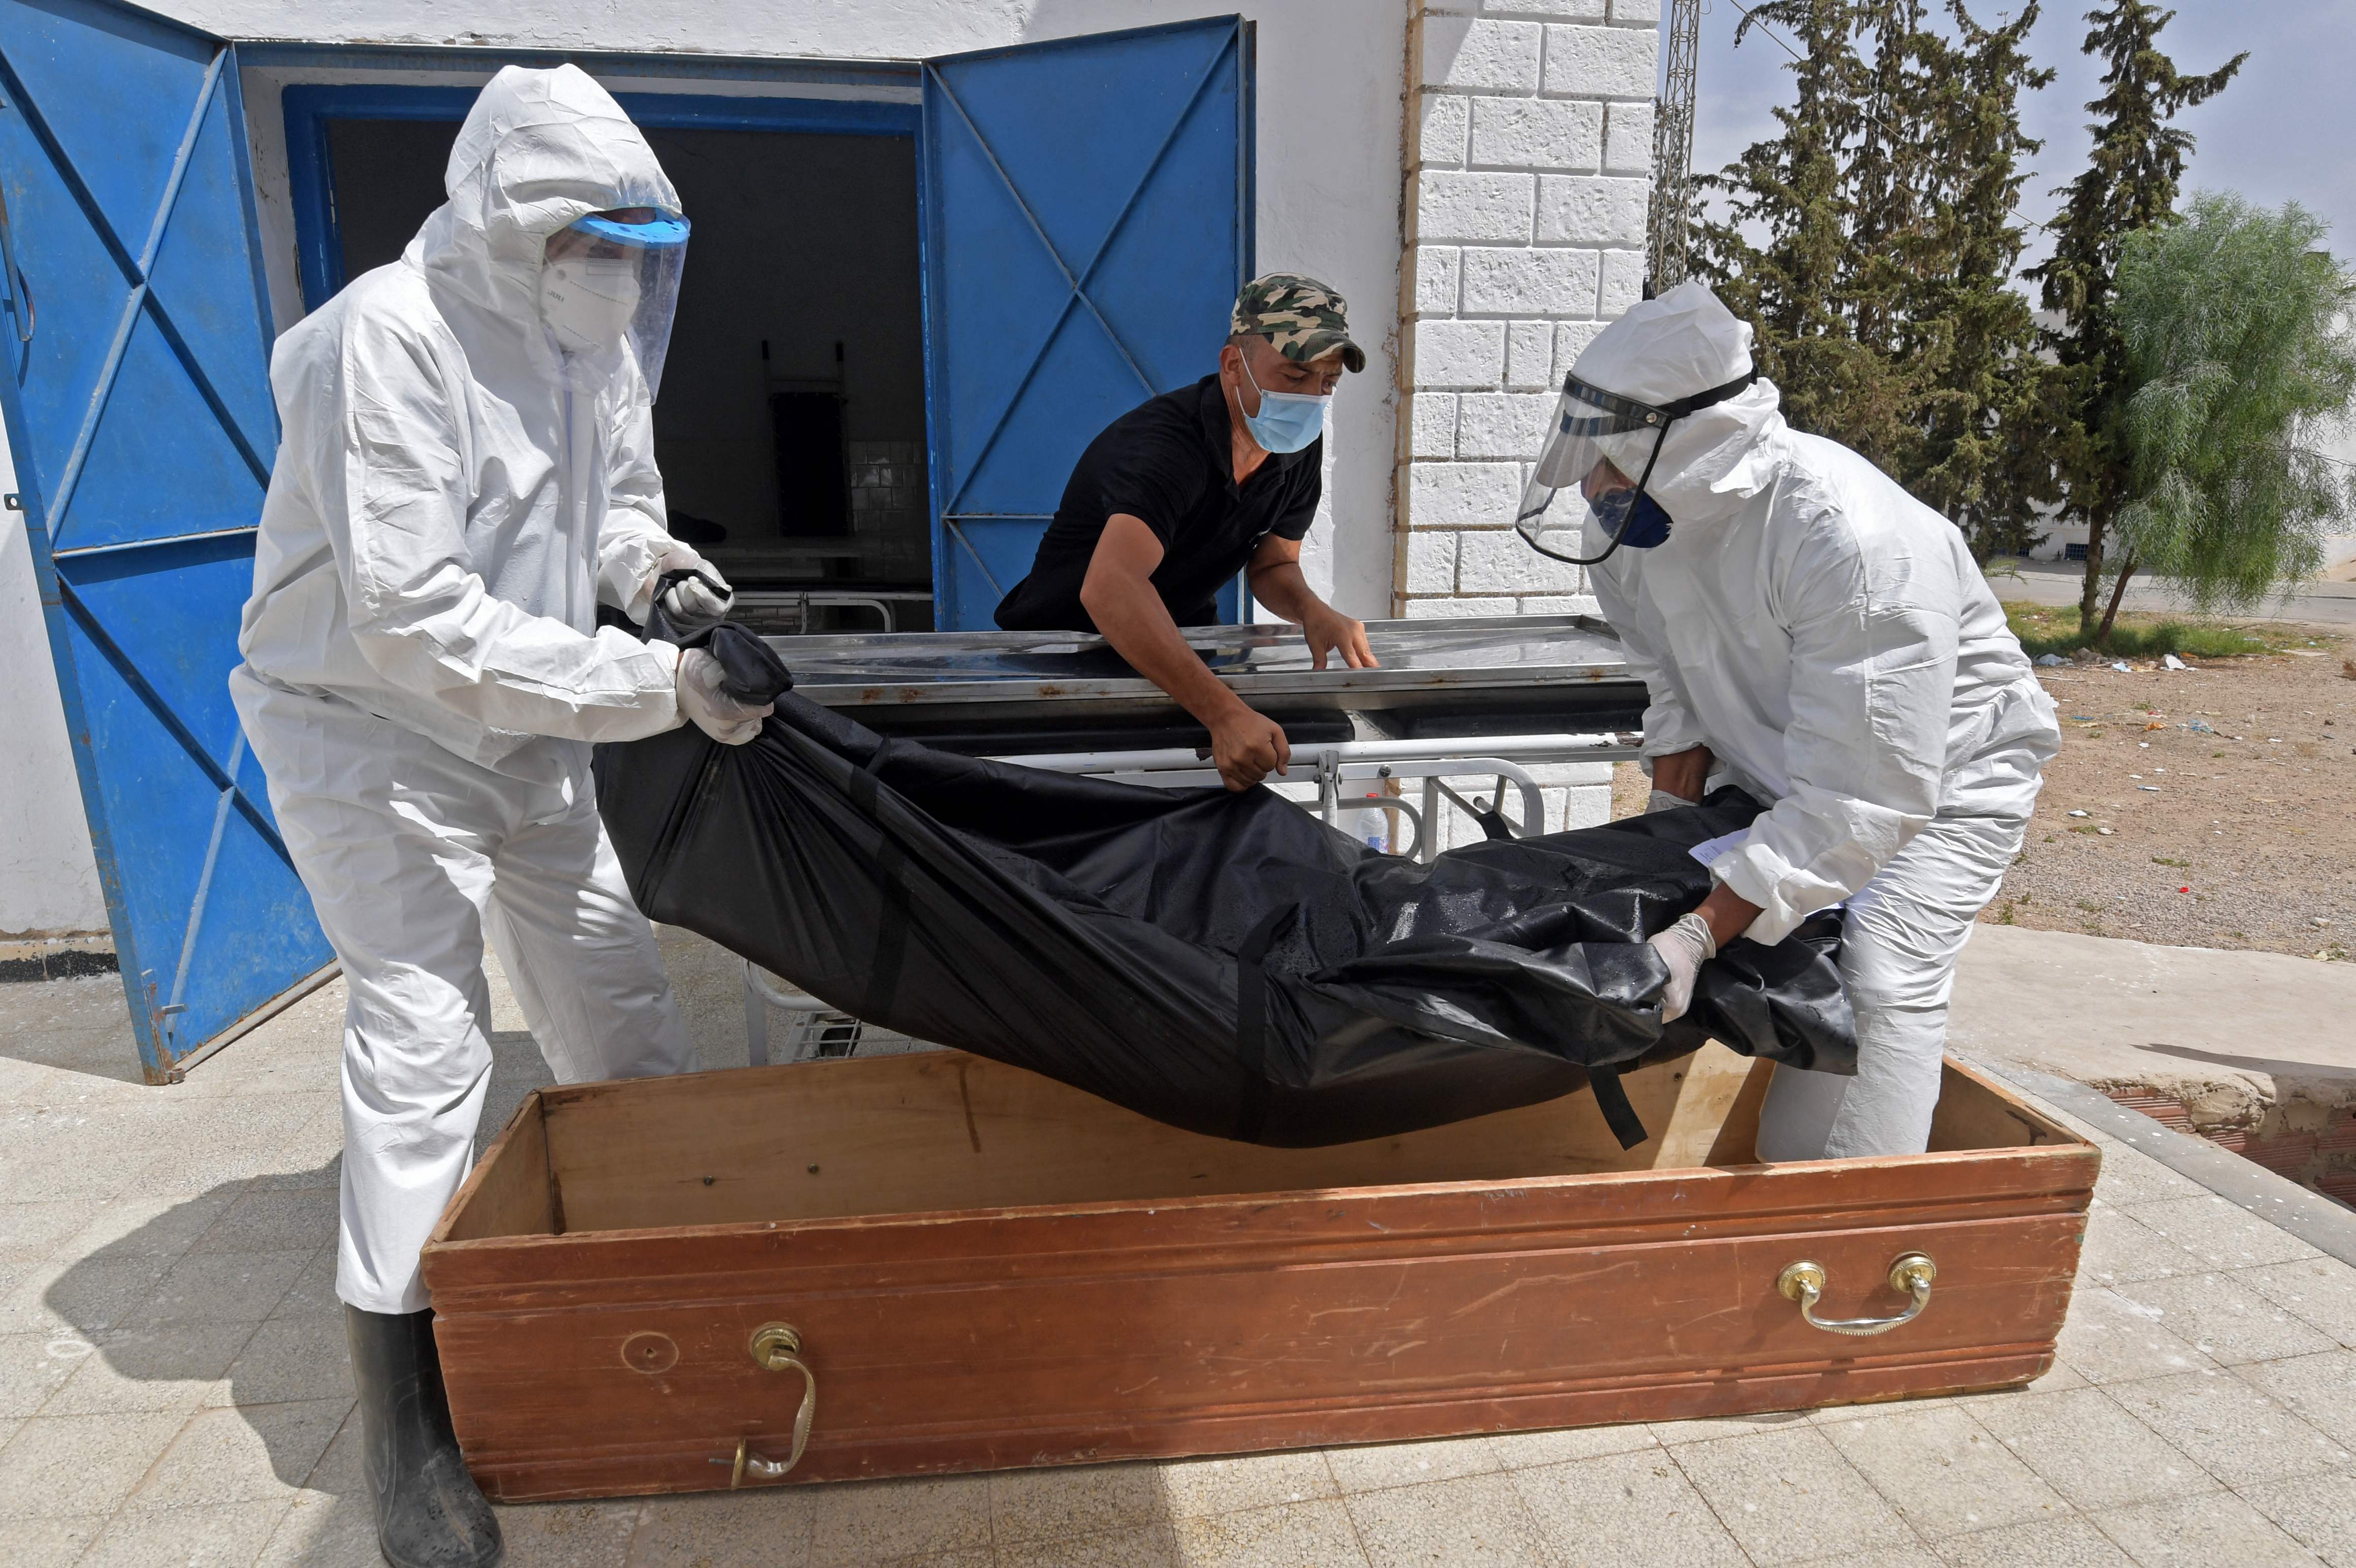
(1486,699)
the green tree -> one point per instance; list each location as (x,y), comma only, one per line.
(2130,183)
(1797,284)
(1987,405)
(2233,324)
(1872,244)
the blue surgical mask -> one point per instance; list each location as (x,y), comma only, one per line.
(1632,518)
(1286,421)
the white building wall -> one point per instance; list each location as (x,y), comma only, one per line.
(49,877)
(1530,175)
(1329,139)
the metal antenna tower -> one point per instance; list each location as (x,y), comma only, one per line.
(1669,225)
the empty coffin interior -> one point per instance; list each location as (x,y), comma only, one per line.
(942,1130)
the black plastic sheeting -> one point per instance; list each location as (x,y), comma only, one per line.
(1223,962)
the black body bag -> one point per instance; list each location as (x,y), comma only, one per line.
(1223,962)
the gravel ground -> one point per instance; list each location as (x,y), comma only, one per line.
(2238,834)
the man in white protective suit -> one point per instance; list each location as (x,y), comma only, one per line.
(1812,634)
(467,469)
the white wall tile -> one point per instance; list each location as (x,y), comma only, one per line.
(1439,143)
(1436,268)
(1475,207)
(1570,341)
(1529,354)
(1459,353)
(1434,431)
(1536,132)
(1502,424)
(1459,494)
(1481,56)
(1431,561)
(1624,282)
(1499,563)
(1457,609)
(1592,210)
(1628,139)
(1601,62)
(1530,283)
(1546,10)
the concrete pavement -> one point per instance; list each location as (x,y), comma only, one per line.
(2057,582)
(2254,1050)
(173,1386)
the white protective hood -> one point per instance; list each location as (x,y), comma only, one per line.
(540,150)
(1677,346)
(449,505)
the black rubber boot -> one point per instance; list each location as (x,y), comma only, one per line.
(429,1512)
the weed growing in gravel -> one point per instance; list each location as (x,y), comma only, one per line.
(2044,629)
(2165,860)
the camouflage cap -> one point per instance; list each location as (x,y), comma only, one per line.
(1301,317)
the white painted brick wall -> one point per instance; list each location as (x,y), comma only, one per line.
(1468,55)
(1532,176)
(1526,283)
(1459,353)
(1627,137)
(1532,134)
(1453,204)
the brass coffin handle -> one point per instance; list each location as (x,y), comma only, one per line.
(1804,1282)
(776,1348)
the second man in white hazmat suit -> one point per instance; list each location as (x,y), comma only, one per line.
(1809,632)
(466,471)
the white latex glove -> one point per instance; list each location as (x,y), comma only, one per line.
(692,602)
(1661,800)
(715,712)
(1685,947)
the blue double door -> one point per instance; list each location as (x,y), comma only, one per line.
(1084,211)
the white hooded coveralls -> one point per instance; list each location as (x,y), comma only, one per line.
(1832,641)
(423,676)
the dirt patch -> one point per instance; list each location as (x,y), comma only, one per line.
(2219,805)
(2229,791)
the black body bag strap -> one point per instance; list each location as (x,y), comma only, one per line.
(1251,1024)
(892,915)
(1613,1101)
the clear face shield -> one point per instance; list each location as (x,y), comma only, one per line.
(1597,461)
(609,287)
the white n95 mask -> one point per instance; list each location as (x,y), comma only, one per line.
(589,301)
(609,288)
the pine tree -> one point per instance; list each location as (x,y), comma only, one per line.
(1988,405)
(2130,183)
(1796,288)
(1880,295)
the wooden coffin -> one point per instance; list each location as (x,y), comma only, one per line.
(981,1268)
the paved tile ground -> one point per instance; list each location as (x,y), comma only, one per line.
(173,1388)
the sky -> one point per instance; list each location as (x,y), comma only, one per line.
(2284,129)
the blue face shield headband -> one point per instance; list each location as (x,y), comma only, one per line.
(1580,477)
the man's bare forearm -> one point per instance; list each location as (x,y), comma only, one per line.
(1283,589)
(1133,618)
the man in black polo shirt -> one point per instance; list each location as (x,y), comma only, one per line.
(1186,490)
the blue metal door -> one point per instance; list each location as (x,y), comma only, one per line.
(1086,223)
(140,417)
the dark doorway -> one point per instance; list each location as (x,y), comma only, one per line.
(792,420)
